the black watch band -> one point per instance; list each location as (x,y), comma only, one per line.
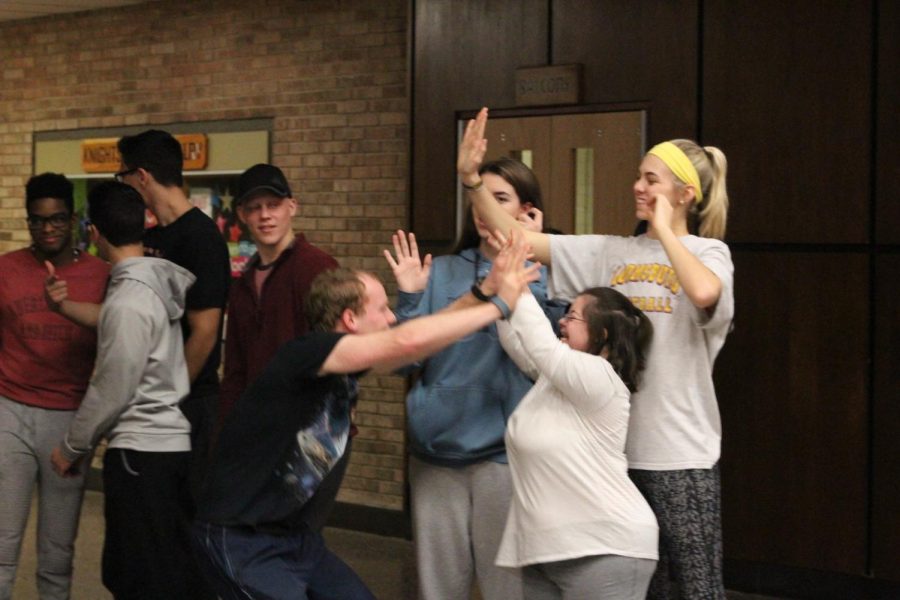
(476,291)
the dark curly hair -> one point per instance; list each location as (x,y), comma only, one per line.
(622,329)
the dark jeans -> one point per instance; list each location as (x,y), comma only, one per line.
(147,551)
(242,563)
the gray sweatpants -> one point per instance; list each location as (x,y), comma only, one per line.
(603,577)
(27,437)
(458,519)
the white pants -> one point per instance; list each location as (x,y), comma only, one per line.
(458,519)
(27,437)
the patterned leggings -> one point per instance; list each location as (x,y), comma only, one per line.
(687,505)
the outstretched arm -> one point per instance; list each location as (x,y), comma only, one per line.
(56,292)
(471,155)
(418,338)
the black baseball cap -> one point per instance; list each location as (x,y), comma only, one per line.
(262,178)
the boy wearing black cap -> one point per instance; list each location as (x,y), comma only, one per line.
(265,306)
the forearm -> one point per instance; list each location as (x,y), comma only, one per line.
(109,394)
(498,219)
(700,284)
(425,336)
(85,314)
(414,340)
(197,349)
(204,336)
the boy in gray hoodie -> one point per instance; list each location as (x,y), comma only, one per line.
(139,380)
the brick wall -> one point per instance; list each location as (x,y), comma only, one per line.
(331,75)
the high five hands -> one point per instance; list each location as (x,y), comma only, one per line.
(410,272)
(510,274)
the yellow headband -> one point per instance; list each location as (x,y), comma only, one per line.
(680,164)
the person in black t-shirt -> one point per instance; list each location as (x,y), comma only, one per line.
(151,163)
(291,427)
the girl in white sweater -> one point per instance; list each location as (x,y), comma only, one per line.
(577,524)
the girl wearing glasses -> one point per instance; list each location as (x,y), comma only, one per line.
(577,524)
(684,284)
(457,409)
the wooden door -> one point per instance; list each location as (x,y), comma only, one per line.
(585,163)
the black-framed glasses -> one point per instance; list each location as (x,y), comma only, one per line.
(57,220)
(570,316)
(121,175)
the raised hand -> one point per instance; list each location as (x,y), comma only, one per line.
(663,214)
(532,220)
(472,148)
(55,290)
(509,274)
(410,272)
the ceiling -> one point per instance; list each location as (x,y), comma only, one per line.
(11,10)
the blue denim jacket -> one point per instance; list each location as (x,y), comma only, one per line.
(457,409)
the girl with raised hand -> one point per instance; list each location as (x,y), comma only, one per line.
(457,409)
(577,525)
(683,282)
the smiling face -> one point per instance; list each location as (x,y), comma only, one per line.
(50,226)
(654,177)
(268,217)
(506,196)
(574,327)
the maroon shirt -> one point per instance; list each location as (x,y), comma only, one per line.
(45,359)
(258,324)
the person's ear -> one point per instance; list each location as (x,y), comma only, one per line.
(349,321)
(143,176)
(292,206)
(687,194)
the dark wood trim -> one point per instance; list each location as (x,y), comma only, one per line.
(369,519)
(543,111)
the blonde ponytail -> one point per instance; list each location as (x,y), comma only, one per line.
(712,168)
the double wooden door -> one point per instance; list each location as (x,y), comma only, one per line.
(586,164)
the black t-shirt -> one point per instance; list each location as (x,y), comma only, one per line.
(194,242)
(285,433)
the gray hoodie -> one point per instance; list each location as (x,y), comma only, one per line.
(140,375)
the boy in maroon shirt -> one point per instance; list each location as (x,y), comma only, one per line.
(45,364)
(265,306)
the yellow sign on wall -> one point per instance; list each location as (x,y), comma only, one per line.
(101,155)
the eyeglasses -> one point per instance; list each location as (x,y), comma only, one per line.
(56,220)
(121,175)
(570,316)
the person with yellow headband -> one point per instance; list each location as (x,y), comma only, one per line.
(681,275)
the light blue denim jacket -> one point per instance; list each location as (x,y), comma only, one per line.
(457,409)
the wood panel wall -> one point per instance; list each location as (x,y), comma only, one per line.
(802,96)
(465,55)
(886,405)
